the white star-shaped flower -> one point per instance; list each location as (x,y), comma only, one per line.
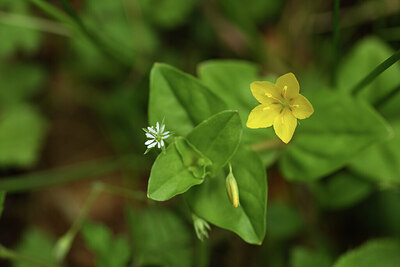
(156,136)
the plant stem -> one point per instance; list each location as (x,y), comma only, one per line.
(376,72)
(69,174)
(16,257)
(335,51)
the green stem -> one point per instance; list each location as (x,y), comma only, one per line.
(381,102)
(69,174)
(16,257)
(376,72)
(33,23)
(335,53)
(54,12)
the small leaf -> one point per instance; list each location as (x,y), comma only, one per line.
(170,176)
(380,252)
(160,238)
(181,99)
(22,131)
(110,251)
(217,137)
(211,202)
(340,128)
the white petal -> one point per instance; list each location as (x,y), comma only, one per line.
(166,133)
(158,145)
(162,143)
(158,127)
(166,136)
(148,142)
(149,136)
(162,127)
(152,145)
(151,129)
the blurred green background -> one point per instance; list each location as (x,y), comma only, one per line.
(74,86)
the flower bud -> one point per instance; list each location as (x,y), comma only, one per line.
(201,227)
(232,189)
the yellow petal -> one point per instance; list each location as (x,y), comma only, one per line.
(301,107)
(284,125)
(289,85)
(265,92)
(262,116)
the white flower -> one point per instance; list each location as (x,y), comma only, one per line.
(156,136)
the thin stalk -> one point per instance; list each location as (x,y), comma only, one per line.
(376,72)
(33,23)
(381,102)
(54,12)
(335,54)
(16,257)
(69,174)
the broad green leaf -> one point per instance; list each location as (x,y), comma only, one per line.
(380,252)
(171,175)
(217,137)
(110,251)
(340,128)
(302,257)
(363,58)
(284,221)
(19,82)
(167,13)
(2,199)
(342,190)
(15,38)
(160,238)
(381,162)
(210,200)
(22,131)
(37,244)
(180,98)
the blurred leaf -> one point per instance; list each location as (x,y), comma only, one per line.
(210,200)
(160,238)
(110,251)
(167,13)
(381,162)
(302,257)
(2,199)
(179,98)
(19,82)
(15,38)
(218,137)
(340,191)
(22,130)
(363,58)
(171,175)
(36,244)
(380,252)
(340,128)
(284,222)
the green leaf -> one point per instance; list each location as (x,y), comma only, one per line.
(302,257)
(363,58)
(167,13)
(36,244)
(19,82)
(218,137)
(22,131)
(284,221)
(342,190)
(340,128)
(380,252)
(160,238)
(210,201)
(15,38)
(110,251)
(2,199)
(180,98)
(381,162)
(171,175)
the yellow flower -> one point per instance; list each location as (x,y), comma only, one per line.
(281,106)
